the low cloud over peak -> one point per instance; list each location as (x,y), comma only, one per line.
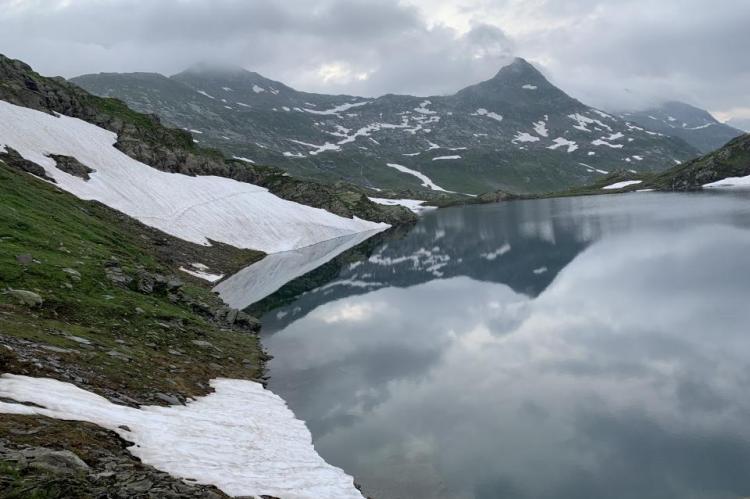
(606,53)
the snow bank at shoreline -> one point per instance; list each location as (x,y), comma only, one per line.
(196,209)
(241,438)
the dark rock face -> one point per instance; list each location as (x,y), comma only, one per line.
(15,160)
(72,166)
(144,138)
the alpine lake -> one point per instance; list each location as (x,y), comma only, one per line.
(567,348)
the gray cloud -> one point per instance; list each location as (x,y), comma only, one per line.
(608,53)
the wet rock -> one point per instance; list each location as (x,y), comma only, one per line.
(28,298)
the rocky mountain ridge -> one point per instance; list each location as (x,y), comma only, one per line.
(695,126)
(516,131)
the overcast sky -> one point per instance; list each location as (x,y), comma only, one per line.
(609,53)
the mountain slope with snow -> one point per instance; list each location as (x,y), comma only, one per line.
(196,209)
(516,131)
(695,126)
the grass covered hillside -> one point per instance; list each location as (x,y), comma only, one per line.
(90,297)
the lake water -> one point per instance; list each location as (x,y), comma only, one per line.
(567,348)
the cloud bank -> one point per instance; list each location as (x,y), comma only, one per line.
(607,53)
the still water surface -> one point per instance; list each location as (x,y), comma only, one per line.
(569,348)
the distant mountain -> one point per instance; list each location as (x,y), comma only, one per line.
(695,126)
(740,123)
(515,132)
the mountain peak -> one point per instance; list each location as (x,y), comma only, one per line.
(214,68)
(520,68)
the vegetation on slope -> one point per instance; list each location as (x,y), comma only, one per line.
(90,297)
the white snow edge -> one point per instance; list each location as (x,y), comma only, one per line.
(196,209)
(242,438)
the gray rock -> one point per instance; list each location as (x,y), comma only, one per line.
(139,487)
(174,283)
(169,399)
(232,316)
(203,344)
(117,276)
(55,461)
(72,166)
(28,298)
(25,259)
(73,274)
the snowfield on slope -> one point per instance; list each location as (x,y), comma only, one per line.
(196,209)
(241,438)
(743,182)
(623,184)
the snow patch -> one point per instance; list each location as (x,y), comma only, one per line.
(422,109)
(525,137)
(563,142)
(529,87)
(200,274)
(316,148)
(505,248)
(196,209)
(338,109)
(241,158)
(483,112)
(206,95)
(426,182)
(258,89)
(601,142)
(739,182)
(540,127)
(415,205)
(444,158)
(241,438)
(623,184)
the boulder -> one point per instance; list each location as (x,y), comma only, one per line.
(28,298)
(62,462)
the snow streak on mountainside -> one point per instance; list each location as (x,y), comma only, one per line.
(241,438)
(196,209)
(515,132)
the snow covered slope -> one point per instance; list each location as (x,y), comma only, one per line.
(241,438)
(197,209)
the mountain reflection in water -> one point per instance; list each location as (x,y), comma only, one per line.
(569,348)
